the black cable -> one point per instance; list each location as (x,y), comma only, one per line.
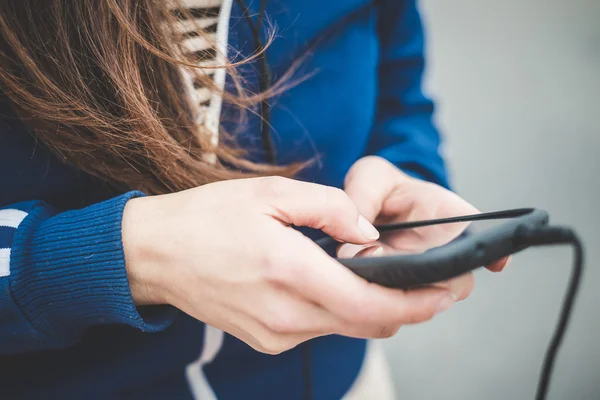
(549,236)
(526,237)
(533,236)
(517,212)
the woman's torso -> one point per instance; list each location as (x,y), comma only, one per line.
(328,117)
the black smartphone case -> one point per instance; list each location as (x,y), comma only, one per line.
(448,261)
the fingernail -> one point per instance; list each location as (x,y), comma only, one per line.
(445,303)
(378,252)
(367,229)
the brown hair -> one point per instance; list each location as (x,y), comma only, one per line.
(100,84)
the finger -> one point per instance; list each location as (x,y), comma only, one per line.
(349,250)
(284,311)
(373,329)
(428,200)
(499,265)
(316,206)
(459,287)
(368,185)
(258,336)
(375,249)
(324,281)
(369,331)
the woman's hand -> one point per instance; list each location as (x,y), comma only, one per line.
(226,254)
(384,194)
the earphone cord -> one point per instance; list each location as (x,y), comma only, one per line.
(549,236)
(533,237)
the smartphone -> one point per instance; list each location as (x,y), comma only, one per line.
(419,253)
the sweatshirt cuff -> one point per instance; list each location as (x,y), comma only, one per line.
(68,272)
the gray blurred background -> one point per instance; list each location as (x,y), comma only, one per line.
(518,91)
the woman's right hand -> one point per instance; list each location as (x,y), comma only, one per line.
(226,254)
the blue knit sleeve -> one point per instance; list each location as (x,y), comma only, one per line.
(62,273)
(404,132)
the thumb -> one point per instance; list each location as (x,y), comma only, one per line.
(368,183)
(317,206)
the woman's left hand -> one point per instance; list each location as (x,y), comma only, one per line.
(385,194)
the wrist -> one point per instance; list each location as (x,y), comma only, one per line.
(141,250)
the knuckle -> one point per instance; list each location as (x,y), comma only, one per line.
(386,331)
(271,186)
(356,167)
(366,162)
(360,317)
(280,267)
(274,344)
(421,315)
(357,306)
(280,323)
(272,262)
(358,314)
(338,194)
(338,203)
(337,197)
(350,175)
(273,351)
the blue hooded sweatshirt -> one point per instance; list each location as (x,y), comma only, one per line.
(68,326)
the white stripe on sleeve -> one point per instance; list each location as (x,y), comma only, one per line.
(4,262)
(11,218)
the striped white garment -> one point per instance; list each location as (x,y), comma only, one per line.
(213,17)
(210,50)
